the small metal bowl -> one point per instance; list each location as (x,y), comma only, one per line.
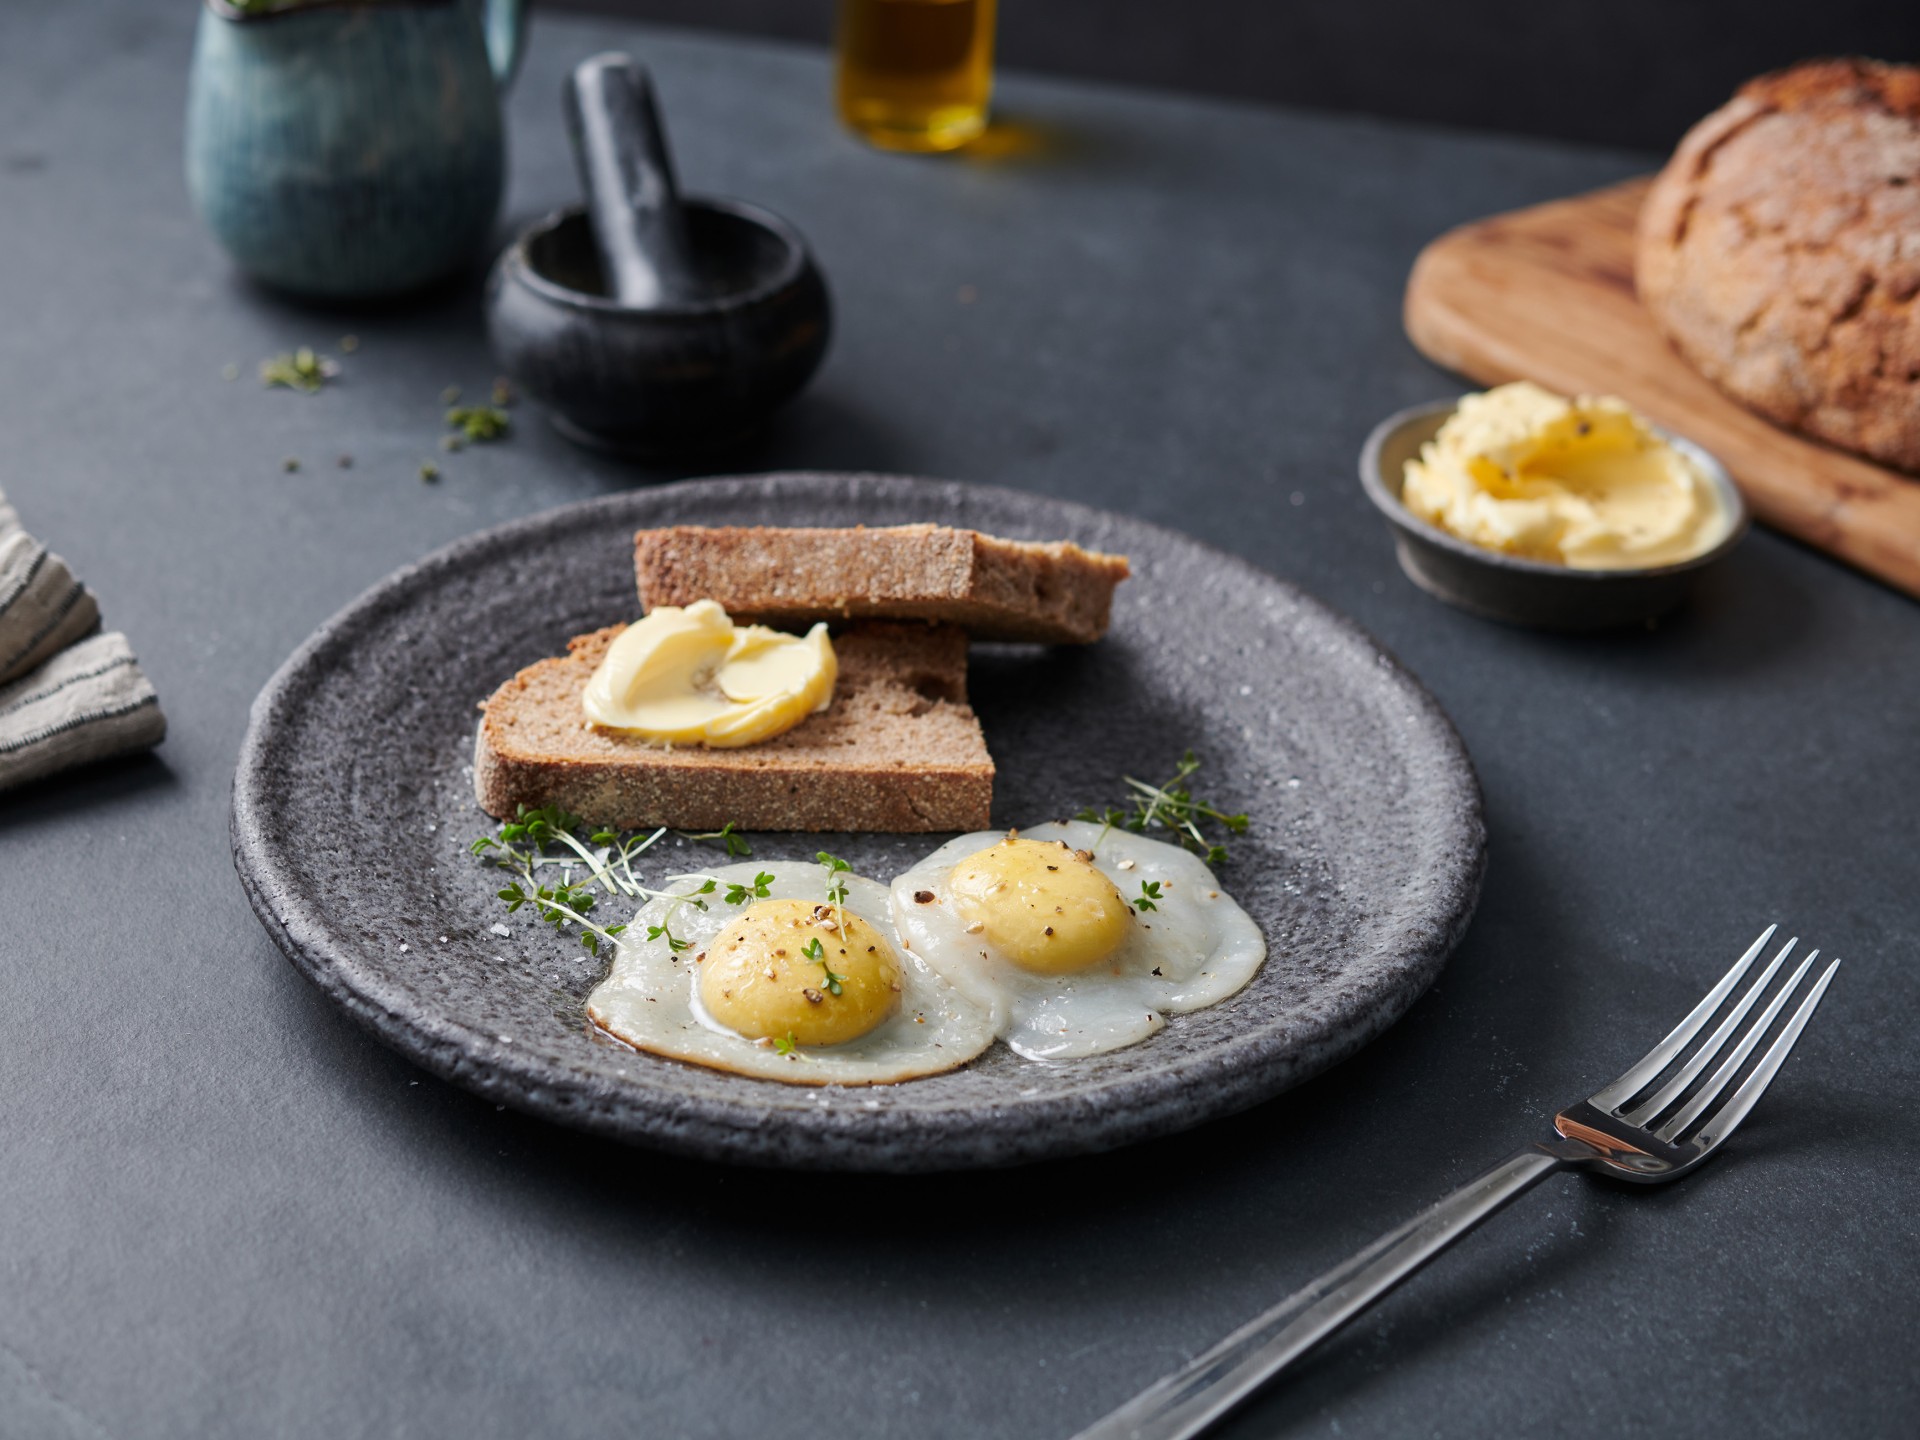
(1527,592)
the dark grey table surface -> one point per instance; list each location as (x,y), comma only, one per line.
(224,1211)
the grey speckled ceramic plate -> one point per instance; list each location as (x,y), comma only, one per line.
(1363,864)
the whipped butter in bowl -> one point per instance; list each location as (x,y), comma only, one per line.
(1530,507)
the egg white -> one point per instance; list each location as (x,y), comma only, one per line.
(650,998)
(1194,950)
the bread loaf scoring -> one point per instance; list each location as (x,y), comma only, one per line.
(1779,250)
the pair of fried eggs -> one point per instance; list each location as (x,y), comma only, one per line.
(1064,941)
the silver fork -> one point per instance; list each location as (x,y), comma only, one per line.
(1611,1132)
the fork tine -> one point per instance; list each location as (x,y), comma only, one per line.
(1658,1058)
(1707,1093)
(1701,1058)
(1748,1095)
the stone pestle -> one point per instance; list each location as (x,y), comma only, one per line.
(633,201)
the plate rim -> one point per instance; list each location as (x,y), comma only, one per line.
(1241,1070)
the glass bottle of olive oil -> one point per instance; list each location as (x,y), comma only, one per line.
(916,74)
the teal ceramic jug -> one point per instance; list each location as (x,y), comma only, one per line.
(351,149)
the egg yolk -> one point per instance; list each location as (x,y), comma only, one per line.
(1043,906)
(817,973)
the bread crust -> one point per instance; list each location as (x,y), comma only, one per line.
(1053,592)
(899,750)
(1779,250)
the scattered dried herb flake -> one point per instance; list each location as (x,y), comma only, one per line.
(301,370)
(481,424)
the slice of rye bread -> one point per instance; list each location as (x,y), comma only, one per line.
(898,749)
(1054,593)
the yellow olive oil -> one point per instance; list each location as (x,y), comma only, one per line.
(916,74)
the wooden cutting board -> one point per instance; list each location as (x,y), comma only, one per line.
(1546,294)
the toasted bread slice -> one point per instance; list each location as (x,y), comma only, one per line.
(897,750)
(1055,593)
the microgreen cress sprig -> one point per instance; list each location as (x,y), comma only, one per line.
(520,846)
(557,904)
(727,835)
(525,843)
(817,953)
(741,894)
(1173,807)
(622,852)
(836,867)
(674,942)
(674,902)
(1149,896)
(738,892)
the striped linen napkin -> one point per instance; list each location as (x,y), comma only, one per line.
(68,695)
(43,609)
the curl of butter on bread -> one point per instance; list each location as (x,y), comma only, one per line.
(898,750)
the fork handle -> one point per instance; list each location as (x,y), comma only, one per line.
(1186,1402)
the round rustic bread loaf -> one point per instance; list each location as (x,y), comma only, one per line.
(1780,252)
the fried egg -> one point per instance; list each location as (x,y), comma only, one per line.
(1078,939)
(782,984)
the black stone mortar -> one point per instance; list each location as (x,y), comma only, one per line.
(647,324)
(674,379)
